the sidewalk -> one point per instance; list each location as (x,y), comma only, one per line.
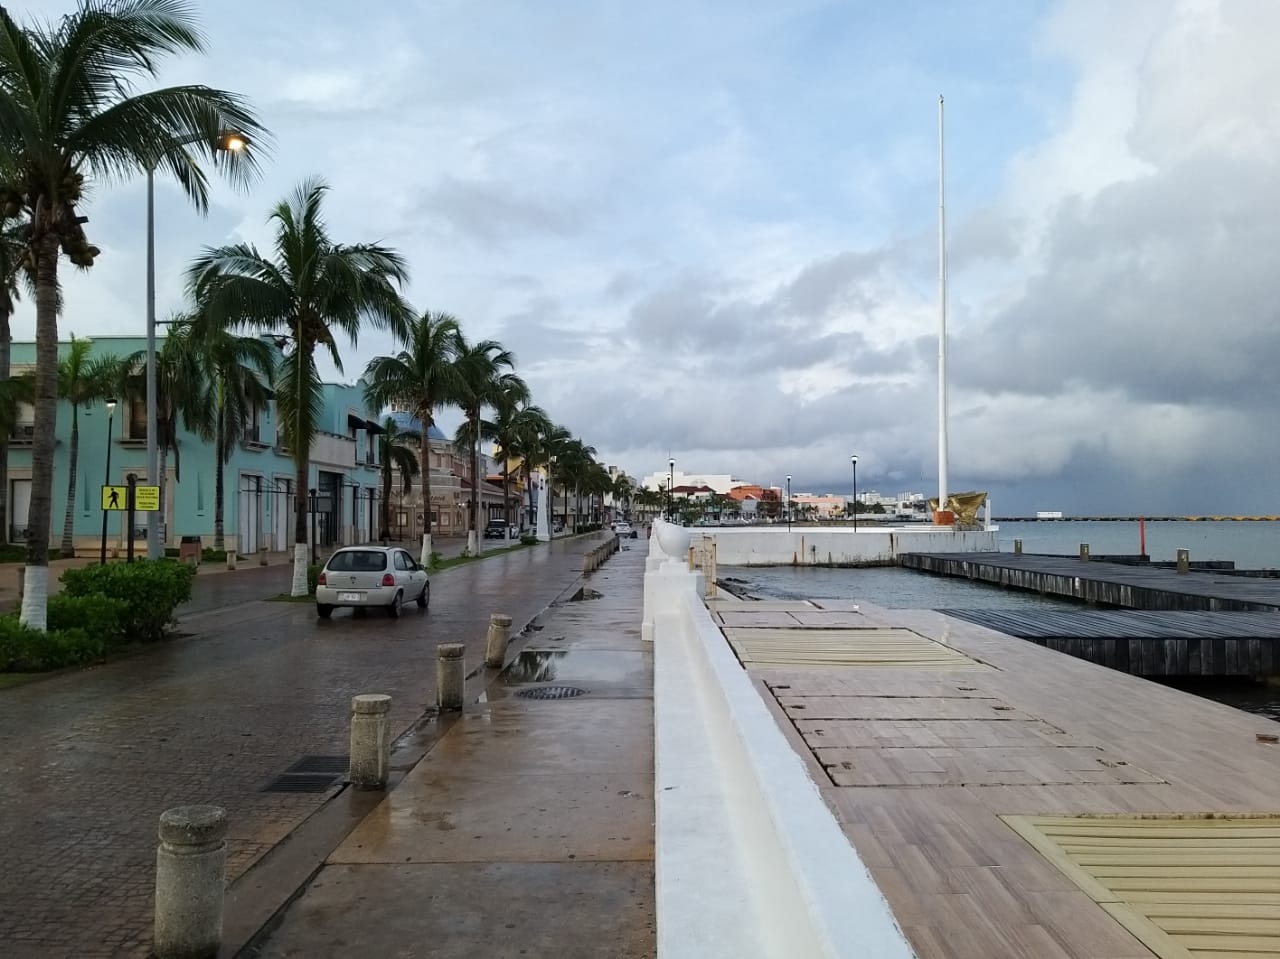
(528,830)
(93,756)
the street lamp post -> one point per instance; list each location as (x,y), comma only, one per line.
(111,413)
(788,502)
(671,481)
(551,497)
(853,461)
(230,143)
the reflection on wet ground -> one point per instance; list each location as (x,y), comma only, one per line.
(1253,697)
(544,666)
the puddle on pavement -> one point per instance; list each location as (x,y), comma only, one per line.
(544,666)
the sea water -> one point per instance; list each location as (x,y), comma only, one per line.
(1250,545)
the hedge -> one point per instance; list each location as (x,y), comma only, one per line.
(150,592)
(24,650)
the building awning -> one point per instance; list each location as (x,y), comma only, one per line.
(360,423)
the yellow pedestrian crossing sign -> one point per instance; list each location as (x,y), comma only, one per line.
(146,499)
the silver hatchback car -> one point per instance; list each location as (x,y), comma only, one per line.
(363,576)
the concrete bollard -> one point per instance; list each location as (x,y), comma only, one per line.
(190,882)
(370,741)
(262,558)
(231,559)
(1017,547)
(1084,551)
(495,649)
(1184,560)
(449,676)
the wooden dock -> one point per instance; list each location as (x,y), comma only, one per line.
(1028,805)
(1147,643)
(1104,584)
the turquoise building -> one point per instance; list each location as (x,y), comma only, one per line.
(343,488)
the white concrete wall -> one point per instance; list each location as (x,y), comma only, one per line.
(775,546)
(751,864)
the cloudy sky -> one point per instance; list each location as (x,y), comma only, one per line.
(708,229)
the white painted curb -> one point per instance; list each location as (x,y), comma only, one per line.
(750,861)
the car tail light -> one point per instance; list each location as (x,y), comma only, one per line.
(321,580)
(388,579)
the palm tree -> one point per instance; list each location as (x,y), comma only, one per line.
(623,490)
(239,370)
(484,373)
(536,443)
(12,255)
(312,288)
(71,113)
(422,378)
(511,416)
(83,380)
(394,455)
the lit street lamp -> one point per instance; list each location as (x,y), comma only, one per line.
(229,143)
(788,502)
(671,481)
(111,413)
(853,460)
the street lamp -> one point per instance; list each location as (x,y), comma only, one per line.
(853,461)
(551,498)
(788,502)
(111,413)
(229,143)
(671,481)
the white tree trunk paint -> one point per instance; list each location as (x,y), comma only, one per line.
(299,587)
(35,597)
(473,543)
(426,550)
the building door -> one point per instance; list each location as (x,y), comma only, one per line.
(282,513)
(250,511)
(19,509)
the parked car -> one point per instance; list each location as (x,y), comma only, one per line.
(624,530)
(364,576)
(499,529)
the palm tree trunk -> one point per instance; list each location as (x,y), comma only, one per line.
(35,595)
(68,515)
(384,533)
(506,491)
(473,533)
(300,558)
(219,496)
(163,468)
(424,417)
(6,353)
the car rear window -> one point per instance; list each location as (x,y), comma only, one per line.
(358,561)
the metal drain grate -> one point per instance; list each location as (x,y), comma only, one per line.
(301,783)
(337,765)
(310,774)
(551,692)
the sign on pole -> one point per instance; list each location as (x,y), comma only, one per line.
(146,499)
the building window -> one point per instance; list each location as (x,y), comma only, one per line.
(137,425)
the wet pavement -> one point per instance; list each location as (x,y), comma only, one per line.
(527,830)
(92,757)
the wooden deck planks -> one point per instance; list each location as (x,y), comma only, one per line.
(1112,584)
(963,884)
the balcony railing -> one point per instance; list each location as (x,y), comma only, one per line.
(22,434)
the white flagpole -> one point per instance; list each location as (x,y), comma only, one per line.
(942,317)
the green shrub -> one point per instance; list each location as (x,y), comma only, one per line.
(313,577)
(151,591)
(211,555)
(528,539)
(24,650)
(100,617)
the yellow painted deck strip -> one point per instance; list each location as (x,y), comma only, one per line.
(1186,887)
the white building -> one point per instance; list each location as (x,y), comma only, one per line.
(720,482)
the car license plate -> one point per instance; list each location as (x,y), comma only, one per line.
(350,597)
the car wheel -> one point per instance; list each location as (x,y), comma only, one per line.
(424,598)
(324,610)
(394,609)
